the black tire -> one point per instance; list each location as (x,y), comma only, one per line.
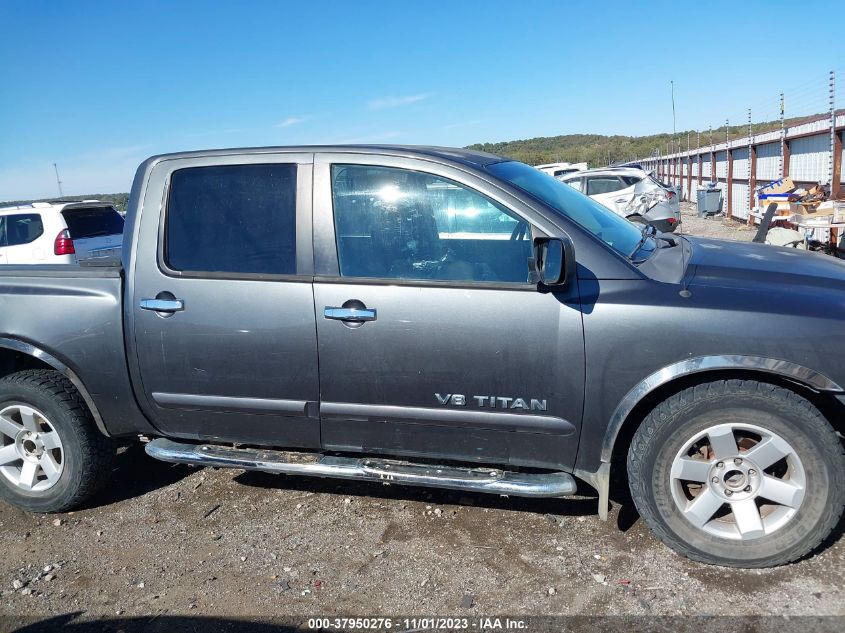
(87,455)
(687,414)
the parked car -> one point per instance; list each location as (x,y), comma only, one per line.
(631,193)
(559,170)
(60,233)
(434,317)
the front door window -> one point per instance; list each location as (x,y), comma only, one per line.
(401,224)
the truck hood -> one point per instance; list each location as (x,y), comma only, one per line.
(723,262)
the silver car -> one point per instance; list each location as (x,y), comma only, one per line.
(631,193)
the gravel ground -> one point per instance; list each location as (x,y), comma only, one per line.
(714,226)
(173,542)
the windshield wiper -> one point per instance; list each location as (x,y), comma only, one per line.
(647,232)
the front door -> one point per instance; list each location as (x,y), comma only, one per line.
(432,340)
(224,330)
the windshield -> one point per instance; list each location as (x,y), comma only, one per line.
(615,231)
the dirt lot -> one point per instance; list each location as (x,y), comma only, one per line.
(714,226)
(165,542)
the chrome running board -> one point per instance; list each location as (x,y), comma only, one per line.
(387,471)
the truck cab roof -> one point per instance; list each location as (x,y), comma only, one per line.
(470,158)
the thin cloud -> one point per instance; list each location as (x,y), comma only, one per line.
(292,120)
(395,102)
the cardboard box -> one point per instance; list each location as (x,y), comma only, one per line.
(784,185)
(784,206)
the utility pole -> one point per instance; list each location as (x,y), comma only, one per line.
(750,142)
(752,170)
(832,124)
(782,133)
(58,181)
(672,85)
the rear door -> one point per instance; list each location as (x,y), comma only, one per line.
(610,191)
(224,330)
(433,340)
(97,232)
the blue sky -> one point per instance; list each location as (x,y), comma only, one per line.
(98,86)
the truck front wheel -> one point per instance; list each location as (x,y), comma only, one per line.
(738,473)
(52,457)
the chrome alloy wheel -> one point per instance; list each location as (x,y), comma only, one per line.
(31,453)
(737,481)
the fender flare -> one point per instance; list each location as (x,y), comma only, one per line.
(38,353)
(786,369)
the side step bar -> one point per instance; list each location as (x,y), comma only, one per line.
(387,471)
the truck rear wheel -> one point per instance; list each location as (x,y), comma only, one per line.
(738,473)
(52,457)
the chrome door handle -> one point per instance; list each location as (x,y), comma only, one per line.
(162,305)
(354,315)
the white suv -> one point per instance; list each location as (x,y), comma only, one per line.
(60,233)
(631,193)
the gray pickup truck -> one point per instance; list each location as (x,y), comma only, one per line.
(435,317)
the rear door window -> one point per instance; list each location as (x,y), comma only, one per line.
(603,184)
(238,219)
(94,222)
(23,228)
(630,181)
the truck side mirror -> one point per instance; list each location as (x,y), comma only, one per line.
(555,260)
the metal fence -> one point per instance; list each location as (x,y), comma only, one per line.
(809,152)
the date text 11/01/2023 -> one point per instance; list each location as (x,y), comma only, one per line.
(419,623)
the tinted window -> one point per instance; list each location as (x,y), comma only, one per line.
(630,181)
(84,223)
(232,219)
(400,224)
(23,229)
(603,184)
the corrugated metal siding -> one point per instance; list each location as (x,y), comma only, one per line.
(705,166)
(810,159)
(721,164)
(768,161)
(739,200)
(819,125)
(741,166)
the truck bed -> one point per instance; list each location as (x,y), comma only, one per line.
(74,314)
